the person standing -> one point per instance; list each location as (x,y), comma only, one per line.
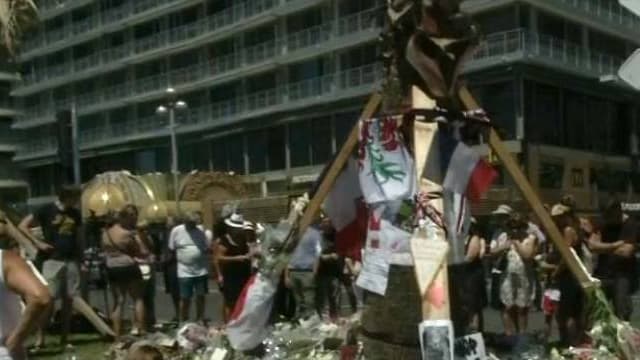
(328,272)
(170,269)
(148,278)
(299,274)
(61,251)
(617,268)
(192,245)
(516,285)
(124,252)
(234,258)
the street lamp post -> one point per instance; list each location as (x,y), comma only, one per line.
(170,107)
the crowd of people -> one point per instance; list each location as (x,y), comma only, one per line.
(134,251)
(525,270)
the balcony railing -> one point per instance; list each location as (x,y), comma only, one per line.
(532,45)
(609,10)
(258,53)
(262,100)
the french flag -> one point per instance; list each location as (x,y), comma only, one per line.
(465,172)
(247,327)
(348,212)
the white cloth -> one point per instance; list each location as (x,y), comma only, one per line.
(191,247)
(247,327)
(386,167)
(308,250)
(10,310)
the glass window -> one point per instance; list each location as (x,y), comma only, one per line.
(219,154)
(256,147)
(299,143)
(343,124)
(543,114)
(577,178)
(235,152)
(551,174)
(596,126)
(321,140)
(146,161)
(499,101)
(276,148)
(575,117)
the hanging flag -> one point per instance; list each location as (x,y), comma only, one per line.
(247,327)
(464,171)
(386,167)
(347,211)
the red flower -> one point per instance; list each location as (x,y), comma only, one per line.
(388,136)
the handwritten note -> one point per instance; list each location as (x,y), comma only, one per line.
(428,255)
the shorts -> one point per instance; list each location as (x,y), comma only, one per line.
(550,301)
(190,285)
(62,277)
(123,274)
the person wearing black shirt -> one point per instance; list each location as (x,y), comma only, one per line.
(61,251)
(616,268)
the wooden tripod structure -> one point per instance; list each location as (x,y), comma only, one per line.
(423,142)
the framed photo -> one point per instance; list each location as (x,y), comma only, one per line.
(436,340)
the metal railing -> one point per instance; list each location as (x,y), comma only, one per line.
(302,39)
(223,110)
(534,45)
(608,10)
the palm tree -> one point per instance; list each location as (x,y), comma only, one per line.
(16,16)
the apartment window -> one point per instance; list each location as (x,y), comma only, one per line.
(551,175)
(235,151)
(146,161)
(542,113)
(575,117)
(299,143)
(577,178)
(276,148)
(354,6)
(321,148)
(219,155)
(257,151)
(620,128)
(499,20)
(498,99)
(304,20)
(360,56)
(214,6)
(551,25)
(259,36)
(596,125)
(343,123)
(306,70)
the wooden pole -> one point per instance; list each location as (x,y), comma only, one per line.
(571,259)
(435,301)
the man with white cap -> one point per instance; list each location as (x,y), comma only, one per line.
(192,244)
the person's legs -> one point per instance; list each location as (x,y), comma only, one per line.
(321,294)
(119,291)
(201,290)
(149,300)
(135,289)
(333,289)
(186,293)
(351,295)
(70,287)
(507,319)
(622,298)
(523,319)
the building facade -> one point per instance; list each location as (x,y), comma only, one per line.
(13,187)
(274,86)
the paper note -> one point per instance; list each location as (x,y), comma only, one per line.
(428,255)
(375,270)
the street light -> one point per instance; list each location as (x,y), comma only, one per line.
(171,105)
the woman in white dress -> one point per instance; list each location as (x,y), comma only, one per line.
(517,285)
